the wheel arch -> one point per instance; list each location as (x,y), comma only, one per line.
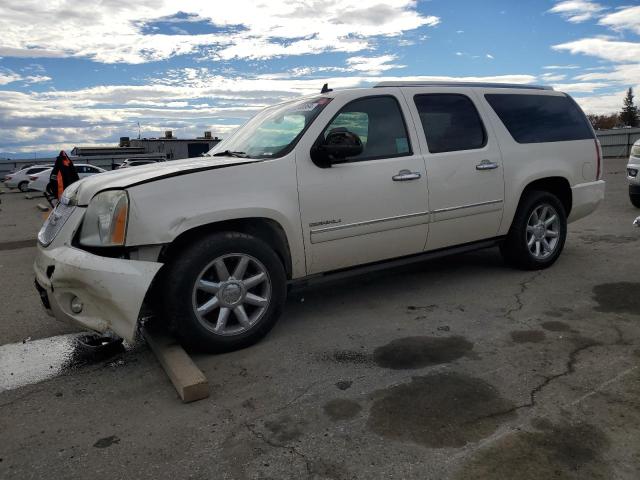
(558,186)
(266,229)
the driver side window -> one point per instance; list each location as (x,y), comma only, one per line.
(379,123)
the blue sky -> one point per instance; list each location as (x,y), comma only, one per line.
(86,73)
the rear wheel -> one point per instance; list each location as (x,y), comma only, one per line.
(224,292)
(23,186)
(538,232)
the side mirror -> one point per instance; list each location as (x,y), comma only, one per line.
(339,145)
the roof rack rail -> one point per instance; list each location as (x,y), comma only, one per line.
(410,83)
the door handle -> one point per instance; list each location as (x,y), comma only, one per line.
(486,165)
(406,175)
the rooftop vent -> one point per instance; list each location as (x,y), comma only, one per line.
(207,135)
(168,134)
(124,142)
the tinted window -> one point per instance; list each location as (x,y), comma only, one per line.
(36,170)
(450,122)
(540,118)
(379,123)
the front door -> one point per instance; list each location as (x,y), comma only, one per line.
(373,206)
(464,166)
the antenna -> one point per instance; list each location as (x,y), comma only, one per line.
(138,130)
(326,89)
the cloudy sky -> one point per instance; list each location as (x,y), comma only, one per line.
(81,73)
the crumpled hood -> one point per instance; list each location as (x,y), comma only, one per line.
(85,189)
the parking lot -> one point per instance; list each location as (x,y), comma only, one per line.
(455,368)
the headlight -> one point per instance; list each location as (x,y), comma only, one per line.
(105,222)
(635,151)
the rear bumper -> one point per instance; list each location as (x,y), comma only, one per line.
(111,290)
(585,199)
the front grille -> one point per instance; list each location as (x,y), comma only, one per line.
(54,223)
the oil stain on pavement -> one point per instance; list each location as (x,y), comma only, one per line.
(620,297)
(106,442)
(418,352)
(559,452)
(555,326)
(439,410)
(341,409)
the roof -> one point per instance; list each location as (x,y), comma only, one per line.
(410,83)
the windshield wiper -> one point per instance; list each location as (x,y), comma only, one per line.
(229,153)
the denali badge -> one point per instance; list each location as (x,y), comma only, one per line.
(325,222)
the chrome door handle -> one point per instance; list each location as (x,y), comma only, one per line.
(406,175)
(486,165)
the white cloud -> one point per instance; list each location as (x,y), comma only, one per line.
(553,77)
(560,67)
(9,76)
(577,11)
(113,31)
(373,65)
(626,73)
(489,56)
(605,48)
(624,19)
(580,87)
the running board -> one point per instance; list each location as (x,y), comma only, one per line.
(385,264)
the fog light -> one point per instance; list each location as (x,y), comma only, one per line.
(76,305)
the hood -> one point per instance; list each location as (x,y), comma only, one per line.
(85,189)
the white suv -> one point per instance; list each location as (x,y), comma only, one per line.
(633,174)
(335,181)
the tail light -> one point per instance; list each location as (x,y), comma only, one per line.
(33,178)
(598,160)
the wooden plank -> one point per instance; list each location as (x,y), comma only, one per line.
(188,380)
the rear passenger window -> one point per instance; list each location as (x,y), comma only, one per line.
(380,125)
(450,122)
(540,118)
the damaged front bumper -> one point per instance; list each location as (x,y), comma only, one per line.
(98,293)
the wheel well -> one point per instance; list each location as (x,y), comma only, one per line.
(265,229)
(559,186)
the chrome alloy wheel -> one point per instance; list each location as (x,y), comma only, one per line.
(231,303)
(543,231)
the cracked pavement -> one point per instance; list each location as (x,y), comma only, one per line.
(458,368)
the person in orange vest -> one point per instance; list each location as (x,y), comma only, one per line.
(63,174)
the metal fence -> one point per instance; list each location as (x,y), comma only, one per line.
(617,142)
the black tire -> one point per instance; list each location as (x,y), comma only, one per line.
(23,187)
(186,268)
(635,199)
(514,248)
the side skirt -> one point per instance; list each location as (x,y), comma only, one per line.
(300,283)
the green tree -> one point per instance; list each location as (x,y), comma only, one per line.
(629,114)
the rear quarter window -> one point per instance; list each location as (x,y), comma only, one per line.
(540,118)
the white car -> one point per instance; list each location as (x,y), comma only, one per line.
(20,179)
(40,180)
(342,181)
(633,176)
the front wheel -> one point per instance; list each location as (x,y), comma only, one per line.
(635,199)
(224,292)
(538,232)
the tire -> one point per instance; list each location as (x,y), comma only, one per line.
(196,314)
(517,249)
(23,187)
(635,199)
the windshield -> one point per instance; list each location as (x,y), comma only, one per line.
(273,132)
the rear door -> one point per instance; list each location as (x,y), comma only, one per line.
(464,165)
